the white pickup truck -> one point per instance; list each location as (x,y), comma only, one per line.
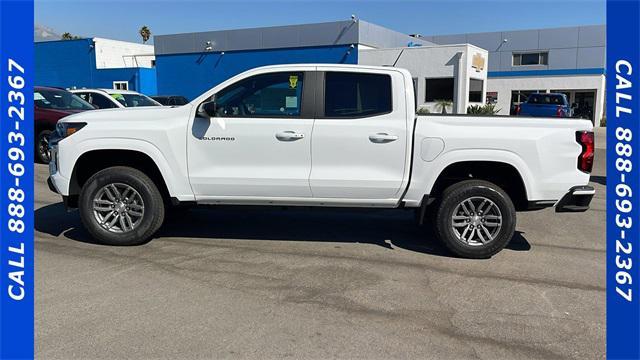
(319,135)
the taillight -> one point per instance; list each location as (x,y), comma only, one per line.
(585,160)
(517,109)
(559,111)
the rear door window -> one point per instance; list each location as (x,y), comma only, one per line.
(350,95)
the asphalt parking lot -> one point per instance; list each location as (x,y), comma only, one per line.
(317,283)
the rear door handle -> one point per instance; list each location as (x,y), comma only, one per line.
(382,138)
(289,136)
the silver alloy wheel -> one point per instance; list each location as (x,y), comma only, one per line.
(476,221)
(118,208)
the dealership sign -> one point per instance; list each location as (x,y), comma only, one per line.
(623,180)
(477,62)
(16,180)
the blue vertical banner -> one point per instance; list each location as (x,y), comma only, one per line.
(623,182)
(16,180)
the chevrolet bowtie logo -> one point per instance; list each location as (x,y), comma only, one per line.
(477,62)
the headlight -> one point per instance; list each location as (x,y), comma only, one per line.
(64,129)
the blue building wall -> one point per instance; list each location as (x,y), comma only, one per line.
(71,63)
(192,74)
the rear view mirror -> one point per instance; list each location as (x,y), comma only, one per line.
(207,109)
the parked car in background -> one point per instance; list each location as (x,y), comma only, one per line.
(545,105)
(51,105)
(111,98)
(171,100)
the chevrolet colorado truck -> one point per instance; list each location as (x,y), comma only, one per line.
(319,135)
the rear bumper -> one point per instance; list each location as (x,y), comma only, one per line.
(576,200)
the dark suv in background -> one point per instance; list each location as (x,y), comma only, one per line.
(51,105)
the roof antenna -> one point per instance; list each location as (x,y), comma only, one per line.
(398,58)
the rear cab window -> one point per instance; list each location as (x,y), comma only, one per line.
(546,99)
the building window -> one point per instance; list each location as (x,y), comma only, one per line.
(121,85)
(475,90)
(356,94)
(439,89)
(536,58)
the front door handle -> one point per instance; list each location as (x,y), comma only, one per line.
(380,138)
(289,136)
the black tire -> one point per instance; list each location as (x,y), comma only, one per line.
(456,194)
(42,153)
(154,209)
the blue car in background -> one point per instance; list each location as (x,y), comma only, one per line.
(545,105)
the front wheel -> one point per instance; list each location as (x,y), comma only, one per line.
(43,155)
(121,206)
(475,219)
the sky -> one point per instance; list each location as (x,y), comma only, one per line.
(121,20)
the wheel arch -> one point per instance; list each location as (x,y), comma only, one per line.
(504,174)
(90,162)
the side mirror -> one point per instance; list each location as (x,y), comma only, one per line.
(207,109)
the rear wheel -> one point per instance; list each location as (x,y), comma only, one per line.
(475,219)
(121,206)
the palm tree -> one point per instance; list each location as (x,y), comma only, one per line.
(145,33)
(68,36)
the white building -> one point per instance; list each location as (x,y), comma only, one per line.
(454,73)
(569,60)
(122,54)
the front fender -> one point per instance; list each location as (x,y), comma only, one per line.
(177,183)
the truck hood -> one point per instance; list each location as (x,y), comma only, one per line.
(129,115)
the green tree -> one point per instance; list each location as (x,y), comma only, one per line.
(488,109)
(443,104)
(145,33)
(68,36)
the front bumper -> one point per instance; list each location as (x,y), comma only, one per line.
(576,200)
(52,187)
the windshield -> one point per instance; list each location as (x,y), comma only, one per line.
(59,100)
(134,100)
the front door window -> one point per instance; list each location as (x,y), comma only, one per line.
(270,95)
